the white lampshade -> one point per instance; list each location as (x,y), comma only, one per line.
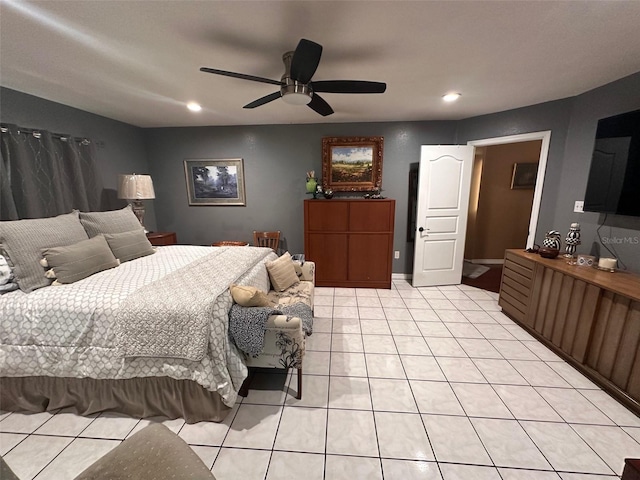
(135,187)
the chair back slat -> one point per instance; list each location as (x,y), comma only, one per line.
(266,239)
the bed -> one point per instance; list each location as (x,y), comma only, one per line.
(147,337)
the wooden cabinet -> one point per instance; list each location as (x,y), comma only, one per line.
(631,469)
(351,241)
(162,238)
(590,317)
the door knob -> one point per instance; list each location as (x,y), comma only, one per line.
(421,229)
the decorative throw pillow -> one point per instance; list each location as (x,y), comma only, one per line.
(115,221)
(81,260)
(247,296)
(282,273)
(23,241)
(129,245)
(5,271)
(6,277)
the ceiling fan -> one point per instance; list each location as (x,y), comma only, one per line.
(296,86)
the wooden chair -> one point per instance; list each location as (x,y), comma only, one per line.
(267,239)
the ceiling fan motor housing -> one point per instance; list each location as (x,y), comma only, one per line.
(292,91)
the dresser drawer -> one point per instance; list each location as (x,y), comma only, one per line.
(515,290)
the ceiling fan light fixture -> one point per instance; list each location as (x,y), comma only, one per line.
(451,97)
(297,98)
(295,93)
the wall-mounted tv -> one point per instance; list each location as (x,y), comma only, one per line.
(614,178)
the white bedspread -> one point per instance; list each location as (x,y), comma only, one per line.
(67,331)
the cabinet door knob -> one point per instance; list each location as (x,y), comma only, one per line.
(421,229)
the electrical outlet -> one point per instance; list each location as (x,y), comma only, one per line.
(578,206)
(396,255)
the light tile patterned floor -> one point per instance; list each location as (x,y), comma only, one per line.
(413,384)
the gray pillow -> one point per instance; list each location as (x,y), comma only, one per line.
(81,260)
(129,245)
(23,241)
(115,221)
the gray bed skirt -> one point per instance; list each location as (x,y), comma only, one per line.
(138,397)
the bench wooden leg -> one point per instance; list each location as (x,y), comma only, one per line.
(244,389)
(299,395)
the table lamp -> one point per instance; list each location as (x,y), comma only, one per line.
(136,188)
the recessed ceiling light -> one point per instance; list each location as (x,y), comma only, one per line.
(451,97)
(194,107)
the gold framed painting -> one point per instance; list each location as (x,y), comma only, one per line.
(352,164)
(215,181)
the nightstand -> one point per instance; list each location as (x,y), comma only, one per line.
(162,238)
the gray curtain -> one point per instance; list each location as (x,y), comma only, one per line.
(44,174)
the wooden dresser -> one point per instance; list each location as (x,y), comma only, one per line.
(590,317)
(351,241)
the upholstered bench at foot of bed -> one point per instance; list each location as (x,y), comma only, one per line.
(284,340)
(284,343)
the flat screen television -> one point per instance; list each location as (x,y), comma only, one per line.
(614,177)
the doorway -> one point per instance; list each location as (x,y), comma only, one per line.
(504,203)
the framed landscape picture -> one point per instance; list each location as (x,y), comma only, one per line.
(352,164)
(215,181)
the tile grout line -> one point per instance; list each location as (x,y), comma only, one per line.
(326,427)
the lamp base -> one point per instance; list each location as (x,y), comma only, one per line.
(138,210)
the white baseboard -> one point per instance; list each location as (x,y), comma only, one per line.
(487,261)
(401,276)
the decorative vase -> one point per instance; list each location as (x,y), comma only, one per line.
(311,185)
(572,240)
(328,193)
(552,239)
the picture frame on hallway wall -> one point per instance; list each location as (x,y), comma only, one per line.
(218,182)
(524,175)
(352,164)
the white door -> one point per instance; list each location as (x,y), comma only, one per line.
(441,221)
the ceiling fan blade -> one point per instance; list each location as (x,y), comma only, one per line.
(348,86)
(240,75)
(261,101)
(318,104)
(305,60)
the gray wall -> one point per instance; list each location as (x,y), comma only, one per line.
(120,148)
(276,159)
(572,122)
(612,99)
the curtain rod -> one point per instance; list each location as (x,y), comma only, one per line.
(36,133)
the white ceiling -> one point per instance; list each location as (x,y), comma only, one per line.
(138,61)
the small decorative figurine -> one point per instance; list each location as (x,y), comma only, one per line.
(552,239)
(376,193)
(572,240)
